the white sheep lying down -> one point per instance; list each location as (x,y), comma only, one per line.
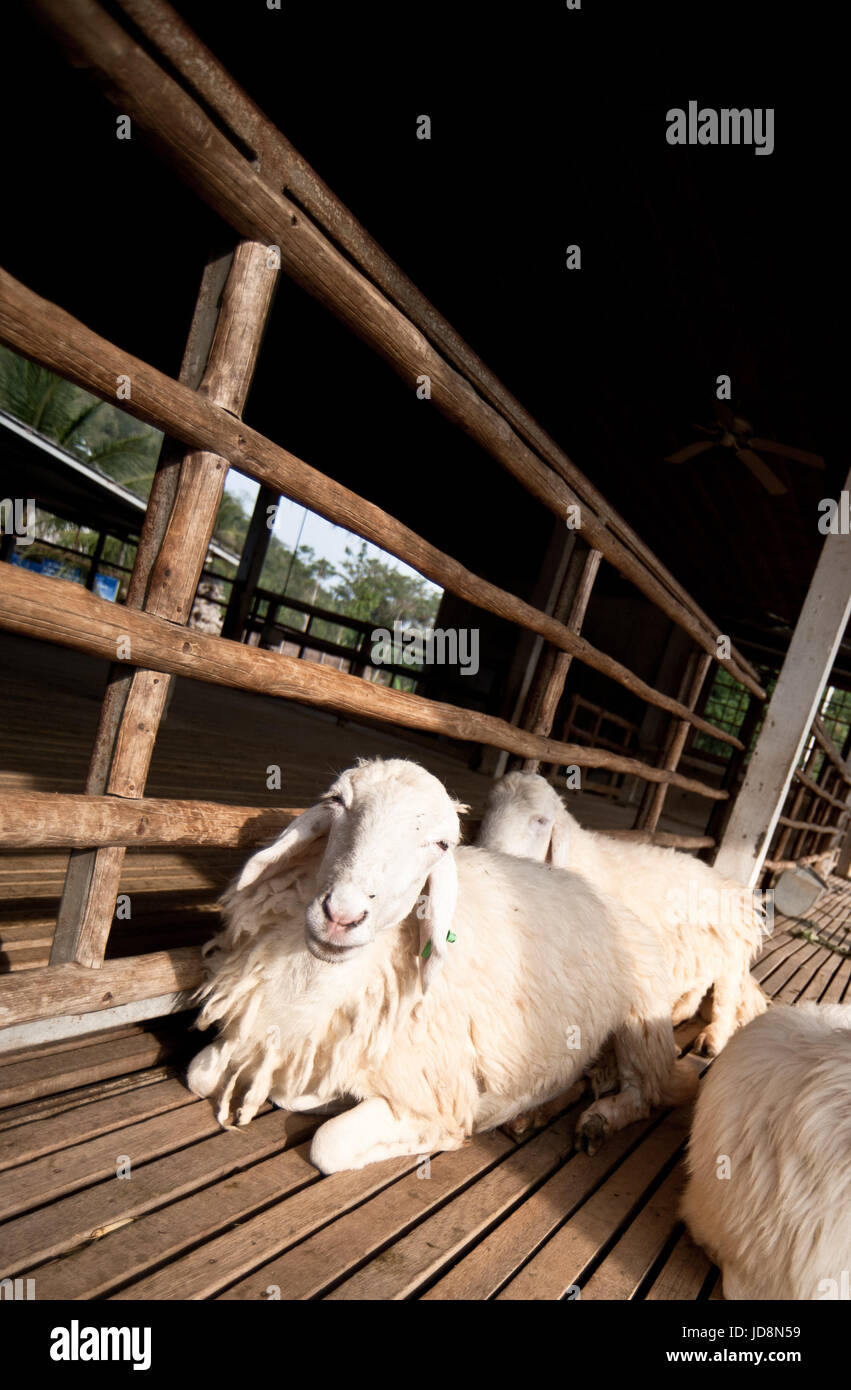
(769,1191)
(708,925)
(446,990)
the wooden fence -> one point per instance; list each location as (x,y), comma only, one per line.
(816,811)
(185,105)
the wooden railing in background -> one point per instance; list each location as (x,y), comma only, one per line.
(814,816)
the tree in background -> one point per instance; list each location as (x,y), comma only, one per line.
(370,589)
(94,431)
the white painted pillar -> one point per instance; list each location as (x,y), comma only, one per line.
(793,706)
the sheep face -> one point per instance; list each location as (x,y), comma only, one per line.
(525,816)
(392,829)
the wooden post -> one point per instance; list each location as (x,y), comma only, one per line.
(97,556)
(557,663)
(793,708)
(251,563)
(81,865)
(246,301)
(699,665)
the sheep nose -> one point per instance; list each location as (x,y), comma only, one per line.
(340,919)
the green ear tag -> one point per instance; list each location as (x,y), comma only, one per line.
(426,951)
(450,936)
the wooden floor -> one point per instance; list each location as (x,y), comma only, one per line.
(204,1214)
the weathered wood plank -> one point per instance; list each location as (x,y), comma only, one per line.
(74,989)
(631,1257)
(45,332)
(59,820)
(41,1076)
(558,1266)
(683,1274)
(411,1261)
(44,1136)
(314,1264)
(69,1222)
(96,1269)
(86,1164)
(481,1272)
(205,1271)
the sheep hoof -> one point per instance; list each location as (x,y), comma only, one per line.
(591,1134)
(706,1044)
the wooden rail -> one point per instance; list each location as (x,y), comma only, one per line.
(820,791)
(238,191)
(53,990)
(826,744)
(55,820)
(58,611)
(47,334)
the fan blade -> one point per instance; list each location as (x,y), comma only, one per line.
(725,414)
(761,470)
(785,451)
(690,451)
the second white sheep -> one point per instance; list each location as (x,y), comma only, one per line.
(709,926)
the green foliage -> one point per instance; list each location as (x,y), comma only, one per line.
(726,707)
(94,431)
(374,591)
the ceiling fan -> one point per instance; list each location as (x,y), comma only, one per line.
(734,432)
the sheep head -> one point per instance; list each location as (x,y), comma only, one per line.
(525,816)
(390,830)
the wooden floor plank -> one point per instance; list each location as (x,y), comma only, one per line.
(398,1272)
(206,1271)
(64,1071)
(683,1274)
(312,1266)
(558,1266)
(40,1137)
(83,1165)
(493,1260)
(69,1222)
(839,989)
(632,1257)
(30,1112)
(95,1270)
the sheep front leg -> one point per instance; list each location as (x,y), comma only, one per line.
(735,993)
(687,1006)
(371,1132)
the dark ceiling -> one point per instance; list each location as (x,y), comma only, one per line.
(548,128)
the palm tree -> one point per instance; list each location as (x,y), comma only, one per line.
(94,431)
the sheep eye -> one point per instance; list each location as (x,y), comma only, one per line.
(333,800)
(443,844)
(541,820)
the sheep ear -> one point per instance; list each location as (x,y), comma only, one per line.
(306,828)
(559,850)
(436,923)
